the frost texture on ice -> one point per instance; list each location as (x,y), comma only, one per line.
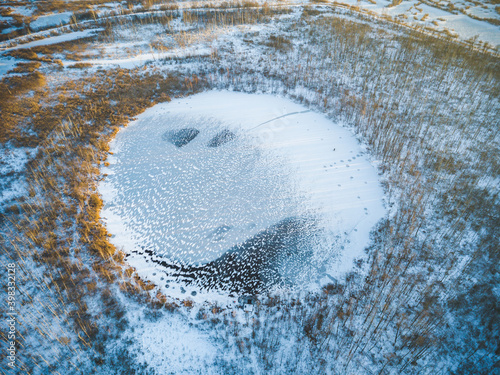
(221,138)
(197,187)
(176,192)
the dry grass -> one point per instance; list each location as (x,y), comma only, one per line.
(29,67)
(80,66)
(26,54)
(72,126)
(12,111)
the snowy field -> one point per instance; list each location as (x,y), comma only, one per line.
(363,219)
(55,39)
(462,19)
(440,16)
(193,178)
(51,20)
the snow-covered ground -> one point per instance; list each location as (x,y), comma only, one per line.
(55,39)
(171,345)
(7,64)
(416,13)
(276,160)
(51,20)
(141,59)
(12,162)
(456,21)
(467,20)
(24,11)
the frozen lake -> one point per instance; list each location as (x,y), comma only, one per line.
(225,185)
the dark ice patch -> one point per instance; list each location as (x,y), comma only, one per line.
(220,233)
(181,137)
(259,263)
(221,138)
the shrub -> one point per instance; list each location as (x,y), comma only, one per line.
(80,66)
(29,67)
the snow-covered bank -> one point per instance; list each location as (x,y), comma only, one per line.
(55,39)
(143,58)
(191,202)
(417,13)
(51,20)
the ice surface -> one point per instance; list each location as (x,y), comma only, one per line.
(275,162)
(221,138)
(181,137)
(177,192)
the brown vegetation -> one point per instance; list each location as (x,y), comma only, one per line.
(72,126)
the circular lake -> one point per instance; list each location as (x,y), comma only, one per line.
(239,191)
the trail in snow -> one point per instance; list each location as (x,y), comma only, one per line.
(276,118)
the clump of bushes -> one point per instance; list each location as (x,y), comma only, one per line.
(29,67)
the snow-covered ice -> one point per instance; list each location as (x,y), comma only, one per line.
(194,177)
